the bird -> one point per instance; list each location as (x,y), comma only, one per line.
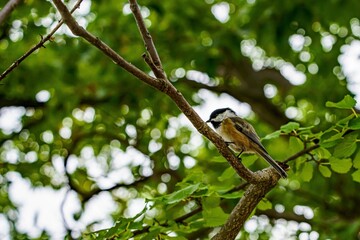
(240,135)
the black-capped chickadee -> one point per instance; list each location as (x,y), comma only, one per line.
(240,135)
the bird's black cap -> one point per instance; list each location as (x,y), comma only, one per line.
(217,112)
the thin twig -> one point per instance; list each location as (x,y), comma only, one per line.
(302,152)
(149,44)
(37,46)
(7,9)
(149,62)
(180,220)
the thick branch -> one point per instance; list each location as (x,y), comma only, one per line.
(7,9)
(252,196)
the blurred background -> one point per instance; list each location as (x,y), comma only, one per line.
(83,143)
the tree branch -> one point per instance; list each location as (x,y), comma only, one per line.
(289,216)
(77,30)
(7,9)
(302,152)
(180,219)
(252,196)
(37,46)
(167,88)
(155,63)
(260,182)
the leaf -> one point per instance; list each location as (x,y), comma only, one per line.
(356,160)
(356,176)
(307,172)
(322,153)
(347,102)
(123,226)
(345,121)
(180,194)
(347,147)
(215,217)
(340,165)
(152,234)
(219,159)
(354,124)
(264,204)
(289,127)
(228,173)
(273,135)
(233,195)
(295,145)
(212,212)
(325,171)
(329,140)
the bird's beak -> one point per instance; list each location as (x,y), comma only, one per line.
(208,121)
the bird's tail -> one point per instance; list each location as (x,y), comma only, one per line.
(273,163)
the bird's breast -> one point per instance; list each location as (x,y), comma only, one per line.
(236,140)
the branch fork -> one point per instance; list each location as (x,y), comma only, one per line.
(259,182)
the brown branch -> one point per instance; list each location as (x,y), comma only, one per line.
(77,30)
(289,216)
(7,9)
(149,44)
(167,88)
(302,152)
(260,182)
(180,220)
(252,196)
(37,46)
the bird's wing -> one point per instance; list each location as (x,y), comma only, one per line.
(248,130)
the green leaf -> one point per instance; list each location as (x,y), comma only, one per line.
(228,173)
(154,231)
(346,120)
(233,195)
(289,127)
(215,217)
(249,159)
(219,159)
(180,194)
(347,147)
(356,160)
(340,165)
(347,102)
(264,204)
(354,124)
(123,226)
(295,145)
(356,175)
(212,212)
(325,171)
(307,172)
(330,139)
(273,135)
(322,153)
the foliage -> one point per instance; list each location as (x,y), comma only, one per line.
(103,131)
